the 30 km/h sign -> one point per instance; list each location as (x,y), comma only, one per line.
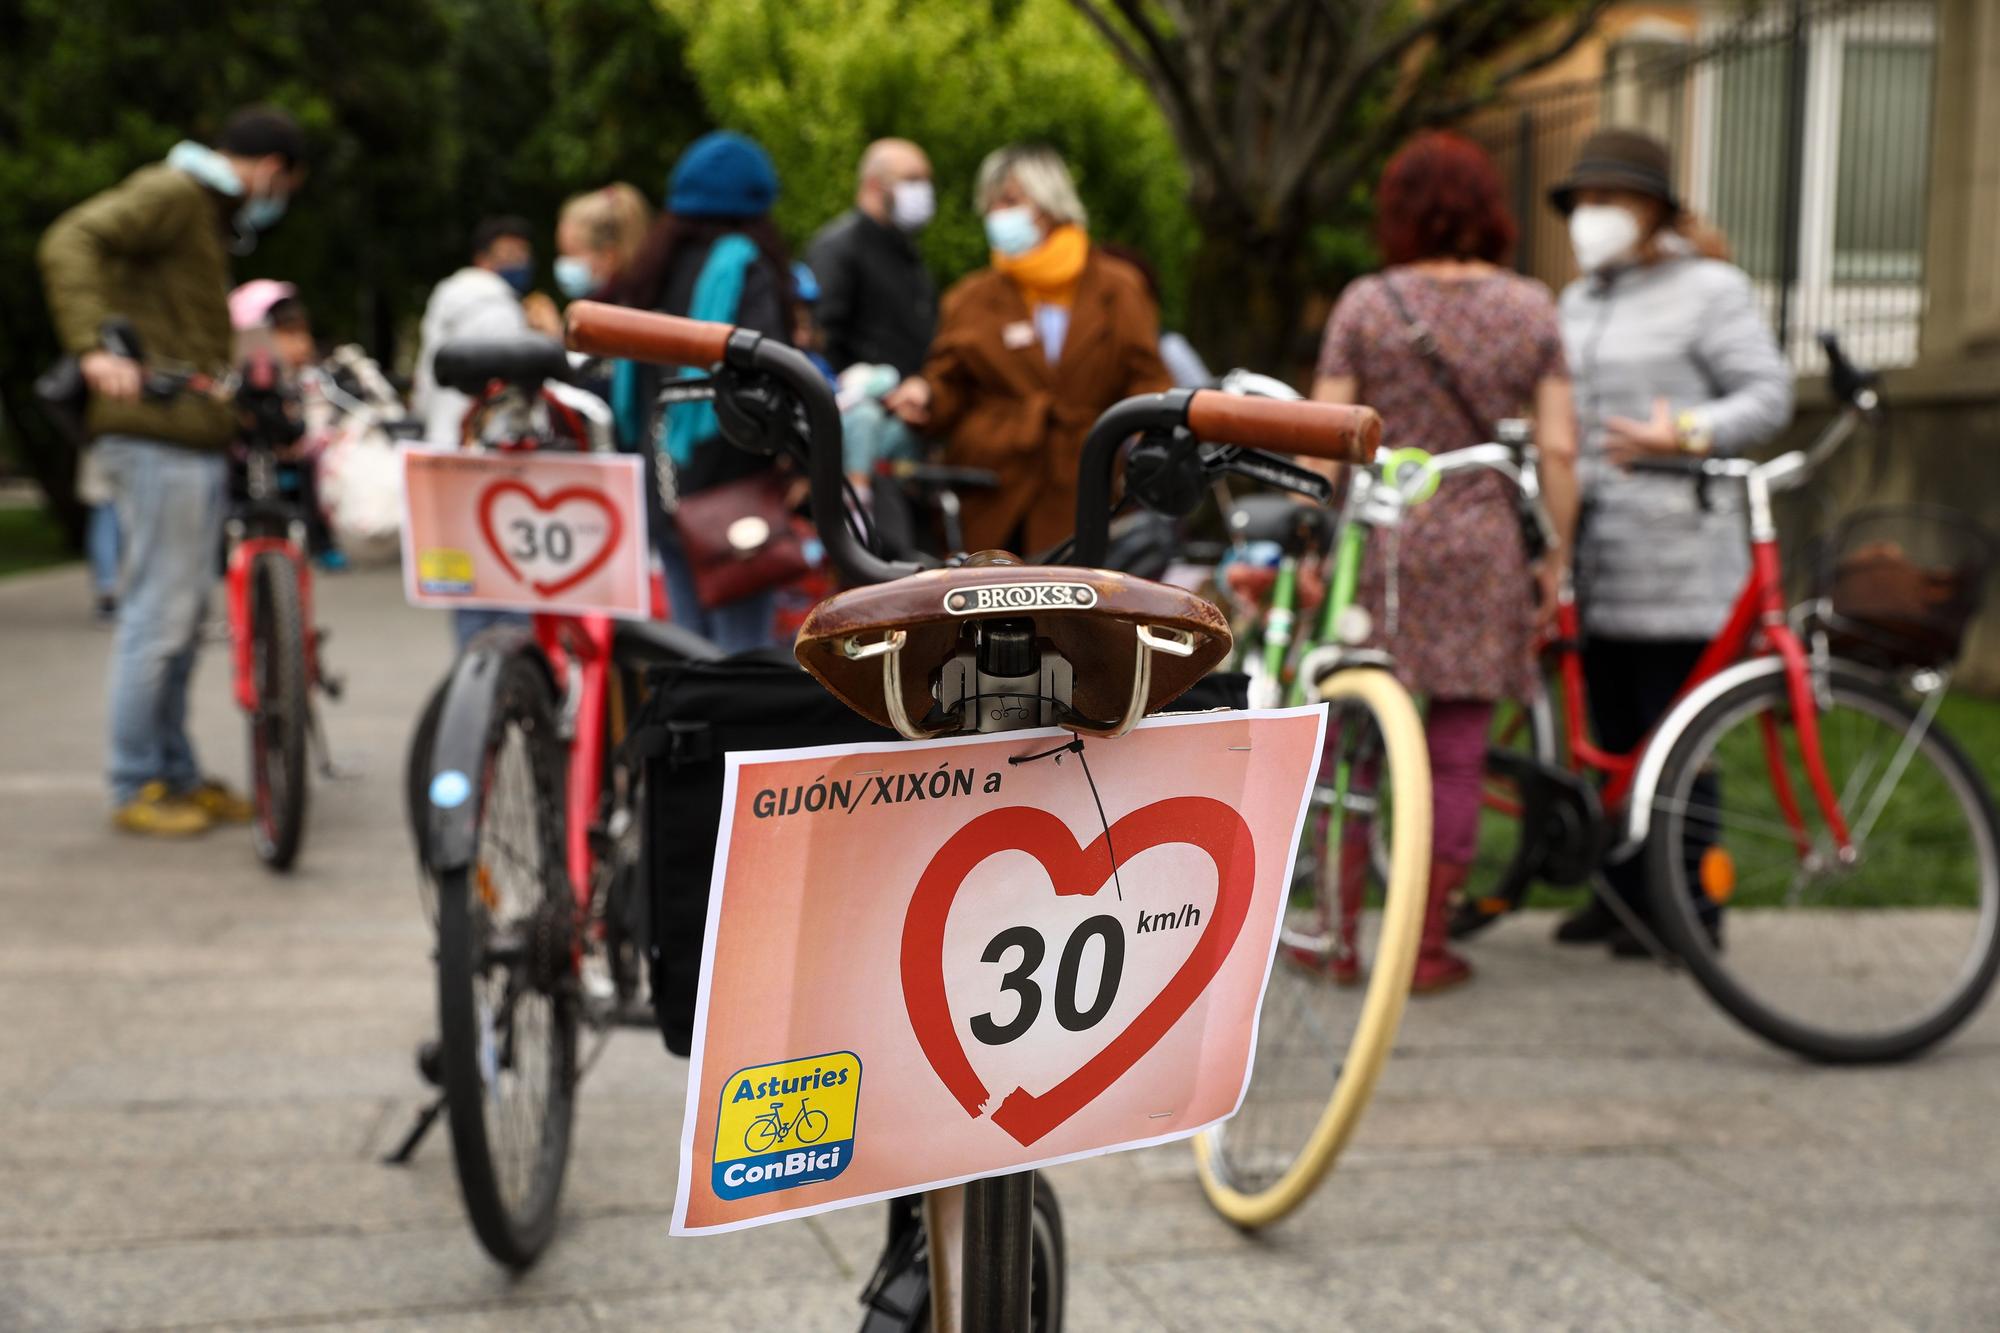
(525,531)
(928,963)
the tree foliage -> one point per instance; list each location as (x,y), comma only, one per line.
(423,116)
(1284,109)
(1231,143)
(816,80)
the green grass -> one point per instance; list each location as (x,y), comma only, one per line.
(1975,725)
(30,539)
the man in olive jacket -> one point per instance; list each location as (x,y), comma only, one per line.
(154,252)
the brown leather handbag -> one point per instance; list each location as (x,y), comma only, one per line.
(738,538)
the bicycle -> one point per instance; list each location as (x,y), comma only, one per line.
(274,644)
(767,1131)
(879,646)
(525,815)
(1717,774)
(1260,1165)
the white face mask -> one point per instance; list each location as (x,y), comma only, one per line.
(1602,234)
(911,204)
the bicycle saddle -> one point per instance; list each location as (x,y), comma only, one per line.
(524,359)
(1130,646)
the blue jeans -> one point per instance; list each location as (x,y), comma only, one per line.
(100,542)
(735,627)
(170,510)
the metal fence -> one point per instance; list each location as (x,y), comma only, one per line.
(1801,132)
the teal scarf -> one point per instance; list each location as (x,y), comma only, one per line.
(718,291)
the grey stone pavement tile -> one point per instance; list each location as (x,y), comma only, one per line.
(380,1274)
(201,1063)
(1532,1280)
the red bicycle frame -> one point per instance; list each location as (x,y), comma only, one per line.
(578,648)
(1757,626)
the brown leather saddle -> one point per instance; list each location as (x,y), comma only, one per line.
(1131,645)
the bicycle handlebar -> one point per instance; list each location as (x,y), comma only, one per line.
(1314,430)
(1340,433)
(671,340)
(596,329)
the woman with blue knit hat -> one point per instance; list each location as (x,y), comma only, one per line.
(713,255)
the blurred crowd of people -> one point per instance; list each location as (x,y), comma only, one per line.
(1657,348)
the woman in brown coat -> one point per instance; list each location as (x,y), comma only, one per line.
(1029,352)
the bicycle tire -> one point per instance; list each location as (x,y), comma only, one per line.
(762,1136)
(1388,982)
(514,1232)
(278,727)
(1725,973)
(1048,1265)
(1503,871)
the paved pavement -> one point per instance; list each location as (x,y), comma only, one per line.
(200,1065)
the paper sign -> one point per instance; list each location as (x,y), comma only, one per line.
(926,963)
(528,531)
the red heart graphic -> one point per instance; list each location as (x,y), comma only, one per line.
(549,587)
(1074,871)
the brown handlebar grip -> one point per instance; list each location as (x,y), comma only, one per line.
(1310,430)
(597,329)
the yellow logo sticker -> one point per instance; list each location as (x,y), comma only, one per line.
(786,1124)
(442,570)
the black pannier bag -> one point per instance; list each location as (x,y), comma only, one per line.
(696,713)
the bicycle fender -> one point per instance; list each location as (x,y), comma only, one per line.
(1638,816)
(458,751)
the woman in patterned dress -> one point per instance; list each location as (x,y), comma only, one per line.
(1466,597)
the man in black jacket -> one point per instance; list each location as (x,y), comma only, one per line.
(877,305)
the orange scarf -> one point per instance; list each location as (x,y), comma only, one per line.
(1047,274)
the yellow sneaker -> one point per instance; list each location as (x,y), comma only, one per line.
(157,813)
(220,804)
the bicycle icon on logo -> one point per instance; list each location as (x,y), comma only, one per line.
(769,1130)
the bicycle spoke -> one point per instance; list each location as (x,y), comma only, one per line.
(1905,752)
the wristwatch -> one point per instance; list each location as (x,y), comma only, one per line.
(1693,433)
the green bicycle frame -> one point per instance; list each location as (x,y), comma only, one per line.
(1343,586)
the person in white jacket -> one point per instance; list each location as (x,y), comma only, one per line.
(481,300)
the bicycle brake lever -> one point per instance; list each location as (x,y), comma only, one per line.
(1269,469)
(693,389)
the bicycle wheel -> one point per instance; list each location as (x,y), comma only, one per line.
(1870,961)
(1322,1044)
(1048,1268)
(507,1001)
(763,1135)
(278,726)
(1503,869)
(811,1128)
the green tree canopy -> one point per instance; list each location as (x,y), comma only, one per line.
(816,80)
(423,116)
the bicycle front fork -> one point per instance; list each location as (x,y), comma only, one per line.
(999,1253)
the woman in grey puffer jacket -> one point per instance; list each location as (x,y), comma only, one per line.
(1670,356)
